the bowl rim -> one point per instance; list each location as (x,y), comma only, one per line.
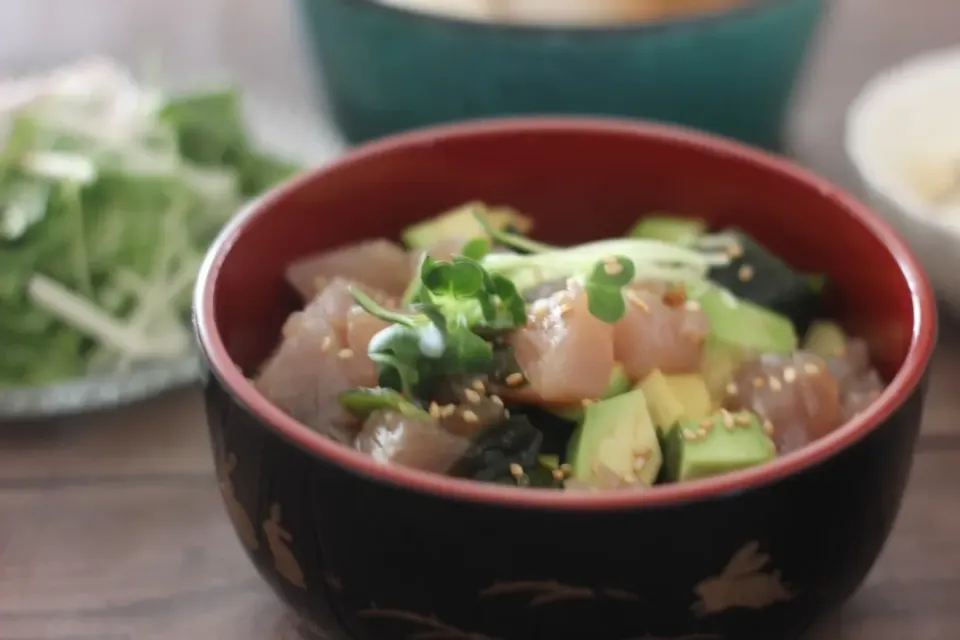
(242,390)
(698,19)
(870,102)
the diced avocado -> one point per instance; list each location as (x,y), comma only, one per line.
(619,435)
(720,361)
(672,398)
(461,222)
(721,443)
(757,275)
(744,324)
(549,460)
(619,383)
(826,339)
(672,229)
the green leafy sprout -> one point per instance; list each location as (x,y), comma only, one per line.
(459,306)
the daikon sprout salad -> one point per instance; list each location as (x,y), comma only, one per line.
(672,353)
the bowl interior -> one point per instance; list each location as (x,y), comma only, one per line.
(580,179)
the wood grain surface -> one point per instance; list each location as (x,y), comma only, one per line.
(111,526)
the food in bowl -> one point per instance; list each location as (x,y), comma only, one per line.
(566,12)
(667,355)
(339,535)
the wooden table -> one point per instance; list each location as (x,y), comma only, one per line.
(111,526)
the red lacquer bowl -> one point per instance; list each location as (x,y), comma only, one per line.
(371,552)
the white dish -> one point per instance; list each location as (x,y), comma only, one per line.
(903,138)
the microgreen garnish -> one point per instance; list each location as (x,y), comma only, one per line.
(508,239)
(362,402)
(458,306)
(476,249)
(604,288)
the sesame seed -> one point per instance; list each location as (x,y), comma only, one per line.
(759,383)
(732,389)
(469,416)
(558,474)
(701,433)
(789,375)
(586,402)
(472,396)
(637,301)
(639,464)
(514,379)
(706,423)
(745,272)
(743,420)
(692,306)
(506,414)
(630,478)
(768,427)
(565,308)
(448,410)
(689,435)
(345,354)
(735,250)
(497,400)
(478,386)
(775,384)
(516,470)
(325,345)
(434,410)
(613,268)
(727,418)
(675,296)
(811,369)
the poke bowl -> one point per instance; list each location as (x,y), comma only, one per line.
(616,382)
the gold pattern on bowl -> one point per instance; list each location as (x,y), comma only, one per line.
(746,582)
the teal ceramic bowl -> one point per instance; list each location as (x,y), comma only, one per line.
(384,69)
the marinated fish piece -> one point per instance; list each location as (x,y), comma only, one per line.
(565,353)
(860,384)
(795,392)
(316,360)
(659,331)
(391,437)
(379,263)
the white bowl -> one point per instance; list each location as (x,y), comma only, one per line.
(902,118)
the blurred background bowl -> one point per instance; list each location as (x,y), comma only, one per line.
(385,69)
(902,135)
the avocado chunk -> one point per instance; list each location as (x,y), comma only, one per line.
(826,339)
(759,276)
(718,364)
(619,383)
(744,324)
(720,443)
(672,229)
(617,438)
(461,223)
(672,398)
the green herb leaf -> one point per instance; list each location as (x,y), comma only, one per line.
(604,288)
(476,249)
